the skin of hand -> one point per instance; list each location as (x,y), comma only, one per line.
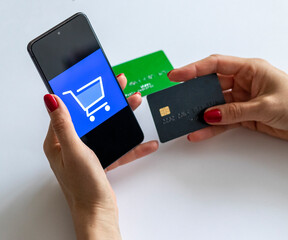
(255,93)
(88,192)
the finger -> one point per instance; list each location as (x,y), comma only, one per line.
(228,96)
(225,65)
(138,152)
(51,142)
(61,121)
(51,136)
(135,100)
(226,82)
(234,112)
(260,127)
(209,132)
(122,80)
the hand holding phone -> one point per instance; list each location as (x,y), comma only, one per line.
(73,65)
(71,159)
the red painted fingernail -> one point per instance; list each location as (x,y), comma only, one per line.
(50,102)
(169,73)
(213,116)
(188,138)
(137,93)
(120,75)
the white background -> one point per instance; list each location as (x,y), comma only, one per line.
(234,186)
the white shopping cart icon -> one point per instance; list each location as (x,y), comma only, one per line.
(88,95)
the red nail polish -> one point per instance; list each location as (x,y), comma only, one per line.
(188,138)
(169,73)
(50,102)
(120,75)
(213,116)
(137,93)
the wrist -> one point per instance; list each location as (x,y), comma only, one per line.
(98,223)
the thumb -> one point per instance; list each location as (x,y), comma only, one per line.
(60,120)
(233,113)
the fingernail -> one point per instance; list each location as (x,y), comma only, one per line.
(120,75)
(137,93)
(50,102)
(213,116)
(188,138)
(169,73)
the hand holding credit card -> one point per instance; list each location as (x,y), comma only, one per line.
(178,110)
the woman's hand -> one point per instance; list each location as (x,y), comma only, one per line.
(255,93)
(80,174)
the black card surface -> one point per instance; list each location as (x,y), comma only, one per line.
(178,110)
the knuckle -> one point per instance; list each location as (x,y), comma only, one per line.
(48,149)
(249,70)
(214,57)
(45,147)
(48,152)
(234,111)
(269,103)
(260,61)
(260,67)
(270,109)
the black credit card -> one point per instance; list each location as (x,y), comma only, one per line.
(179,110)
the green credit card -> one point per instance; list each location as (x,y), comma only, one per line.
(147,74)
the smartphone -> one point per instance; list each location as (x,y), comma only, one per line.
(73,66)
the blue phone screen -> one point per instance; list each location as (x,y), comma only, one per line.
(90,92)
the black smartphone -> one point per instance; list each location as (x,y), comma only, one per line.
(73,66)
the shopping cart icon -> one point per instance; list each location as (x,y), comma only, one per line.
(88,95)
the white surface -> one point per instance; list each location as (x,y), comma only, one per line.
(231,187)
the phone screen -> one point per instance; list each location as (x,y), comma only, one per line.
(90,92)
(78,72)
(73,65)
